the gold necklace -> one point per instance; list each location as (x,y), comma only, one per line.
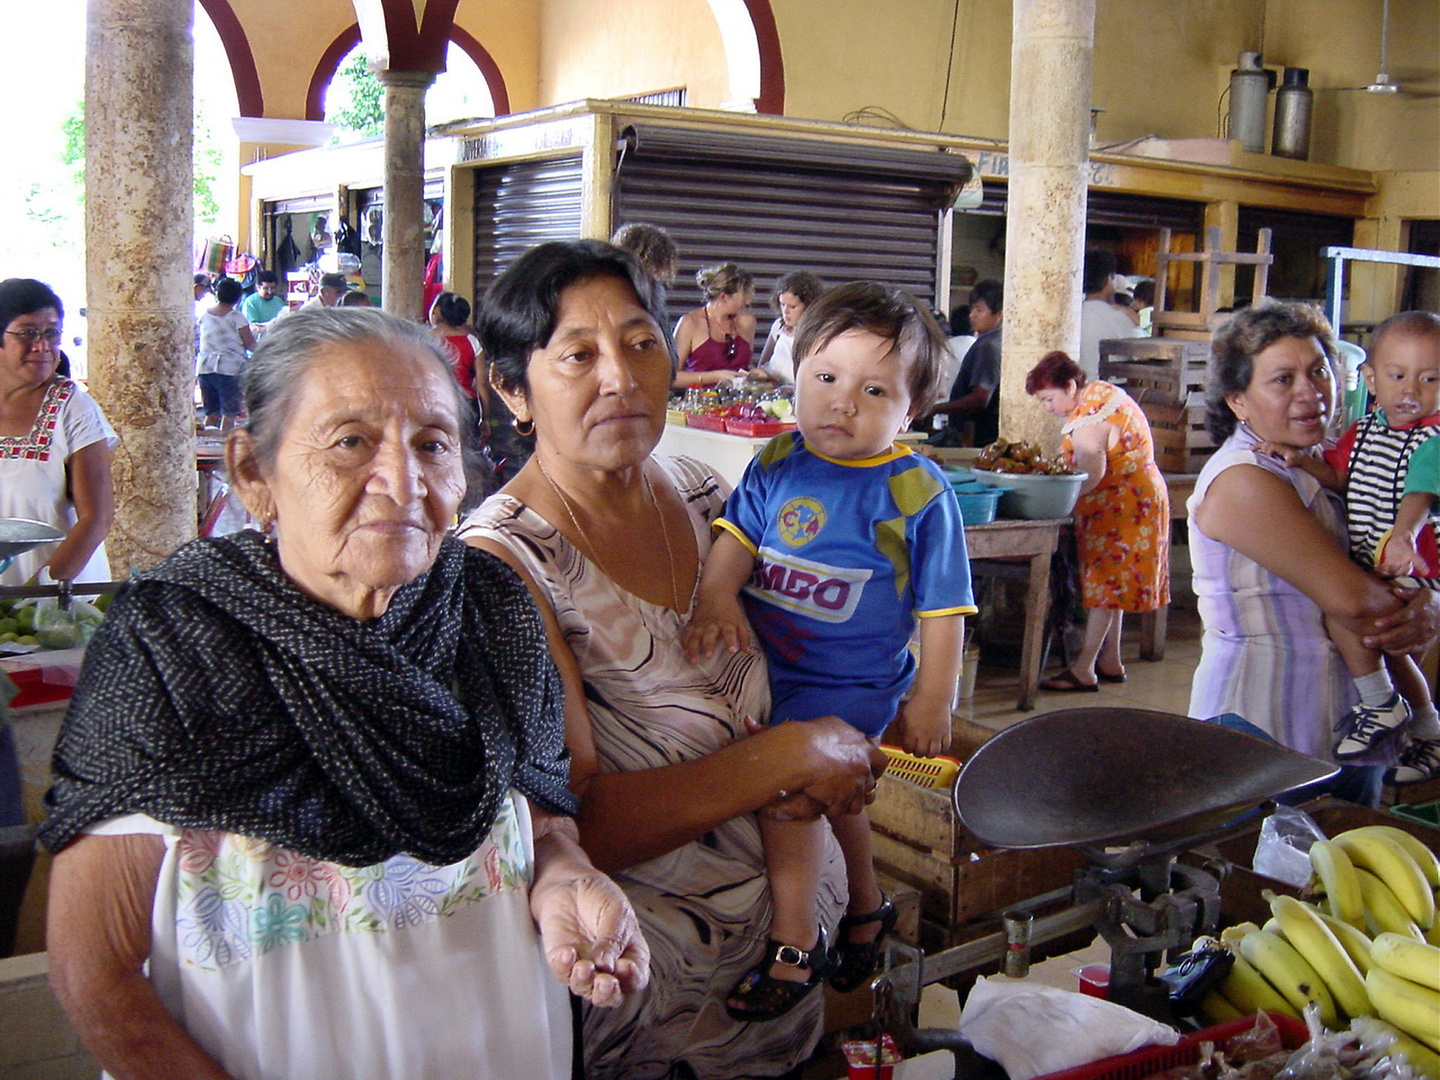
(594,552)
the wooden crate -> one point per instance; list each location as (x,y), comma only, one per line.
(1167,377)
(917,840)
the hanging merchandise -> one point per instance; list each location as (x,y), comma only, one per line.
(347,240)
(374,225)
(245,268)
(287,258)
(433,285)
(217,252)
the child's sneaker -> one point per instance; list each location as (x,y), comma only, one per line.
(1420,761)
(1366,726)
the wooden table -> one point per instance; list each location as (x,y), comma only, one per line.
(1035,540)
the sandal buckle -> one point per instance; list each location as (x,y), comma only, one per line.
(791,956)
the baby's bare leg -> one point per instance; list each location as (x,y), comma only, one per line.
(1359,660)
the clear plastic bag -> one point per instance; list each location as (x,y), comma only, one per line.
(1283,851)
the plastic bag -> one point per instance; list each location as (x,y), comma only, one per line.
(1283,851)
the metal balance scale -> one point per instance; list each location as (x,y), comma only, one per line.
(19,535)
(1129,789)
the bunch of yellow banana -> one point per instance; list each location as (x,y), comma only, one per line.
(1378,879)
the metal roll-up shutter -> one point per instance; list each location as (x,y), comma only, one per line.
(1117,208)
(519,205)
(1128,210)
(774,205)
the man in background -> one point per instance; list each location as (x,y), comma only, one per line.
(1100,316)
(262,306)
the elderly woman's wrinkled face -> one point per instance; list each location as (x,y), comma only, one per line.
(598,387)
(368,475)
(1291,394)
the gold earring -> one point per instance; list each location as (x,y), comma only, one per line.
(521,431)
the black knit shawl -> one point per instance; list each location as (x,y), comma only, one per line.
(216,695)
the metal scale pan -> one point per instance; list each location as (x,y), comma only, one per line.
(19,535)
(1101,778)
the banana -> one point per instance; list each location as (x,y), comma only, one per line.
(1216,1008)
(1417,1055)
(1382,910)
(1432,936)
(1248,991)
(1408,958)
(1426,859)
(1356,944)
(1290,973)
(1395,866)
(1335,874)
(1313,940)
(1272,926)
(1231,935)
(1413,1008)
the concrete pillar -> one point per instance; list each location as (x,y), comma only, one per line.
(403,229)
(1051,54)
(139,66)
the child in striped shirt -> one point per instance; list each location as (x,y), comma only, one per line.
(1388,467)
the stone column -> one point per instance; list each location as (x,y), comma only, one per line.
(1050,84)
(139,65)
(403,228)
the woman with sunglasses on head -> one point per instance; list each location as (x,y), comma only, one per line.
(54,443)
(713,342)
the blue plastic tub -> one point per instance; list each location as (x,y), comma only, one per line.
(978,503)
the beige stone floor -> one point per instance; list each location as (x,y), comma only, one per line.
(1163,685)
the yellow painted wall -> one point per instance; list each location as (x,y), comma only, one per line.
(510,32)
(590,49)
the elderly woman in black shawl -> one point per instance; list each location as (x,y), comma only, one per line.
(311,798)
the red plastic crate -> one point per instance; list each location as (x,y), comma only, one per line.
(1150,1060)
(705,422)
(34,690)
(759,428)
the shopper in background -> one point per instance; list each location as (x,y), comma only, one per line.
(1122,518)
(653,247)
(54,443)
(793,294)
(713,342)
(225,339)
(262,306)
(1101,318)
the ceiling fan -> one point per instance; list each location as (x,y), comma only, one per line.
(1383,85)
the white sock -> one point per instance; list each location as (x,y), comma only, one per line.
(1426,722)
(1375,689)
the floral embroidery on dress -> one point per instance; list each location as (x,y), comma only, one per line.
(239,898)
(35,446)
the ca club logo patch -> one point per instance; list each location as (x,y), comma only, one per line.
(800,521)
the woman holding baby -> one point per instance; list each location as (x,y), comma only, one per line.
(1268,545)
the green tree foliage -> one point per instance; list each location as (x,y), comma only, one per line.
(355,100)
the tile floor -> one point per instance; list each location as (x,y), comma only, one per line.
(1163,685)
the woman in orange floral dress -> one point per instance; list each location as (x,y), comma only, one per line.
(1122,518)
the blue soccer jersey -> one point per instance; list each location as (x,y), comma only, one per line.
(847,555)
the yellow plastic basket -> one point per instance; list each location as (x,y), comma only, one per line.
(929,772)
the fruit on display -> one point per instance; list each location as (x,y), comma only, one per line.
(1383,910)
(1019,458)
(1314,941)
(1338,881)
(1306,953)
(1290,973)
(28,622)
(1393,865)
